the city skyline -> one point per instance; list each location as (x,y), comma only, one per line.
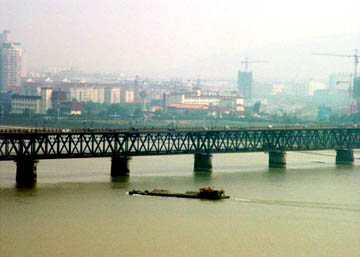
(185,39)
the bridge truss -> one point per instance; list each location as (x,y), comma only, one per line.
(55,145)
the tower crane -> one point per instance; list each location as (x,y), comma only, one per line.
(355,56)
(356,62)
(246,63)
(245,79)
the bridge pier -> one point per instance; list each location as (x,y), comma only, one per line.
(277,159)
(26,172)
(120,165)
(202,162)
(344,156)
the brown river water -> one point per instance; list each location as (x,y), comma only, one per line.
(310,209)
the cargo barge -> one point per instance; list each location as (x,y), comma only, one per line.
(203,193)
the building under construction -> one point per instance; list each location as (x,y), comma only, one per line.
(245,83)
(356,95)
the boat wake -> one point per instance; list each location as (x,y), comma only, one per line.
(317,205)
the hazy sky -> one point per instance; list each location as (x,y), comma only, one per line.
(185,38)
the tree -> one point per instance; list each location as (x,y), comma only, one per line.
(117,110)
(28,113)
(138,113)
(52,112)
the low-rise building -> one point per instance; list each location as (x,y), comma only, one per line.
(71,108)
(188,107)
(76,109)
(233,102)
(21,103)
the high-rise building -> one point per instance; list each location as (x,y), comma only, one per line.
(5,37)
(10,62)
(356,87)
(245,81)
(356,94)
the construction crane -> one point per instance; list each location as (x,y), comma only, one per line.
(351,86)
(245,79)
(355,56)
(246,63)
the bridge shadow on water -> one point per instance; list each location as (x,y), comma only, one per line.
(202,176)
(120,179)
(120,182)
(281,171)
(29,190)
(345,167)
(25,187)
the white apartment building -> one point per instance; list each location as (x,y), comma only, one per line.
(100,94)
(234,102)
(87,94)
(10,66)
(112,95)
(201,99)
(127,96)
(20,103)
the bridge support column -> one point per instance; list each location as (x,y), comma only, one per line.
(277,159)
(202,162)
(26,172)
(344,156)
(120,166)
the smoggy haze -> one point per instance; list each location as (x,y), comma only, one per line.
(185,38)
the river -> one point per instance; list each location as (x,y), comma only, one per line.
(310,209)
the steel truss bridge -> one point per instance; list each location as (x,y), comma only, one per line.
(56,144)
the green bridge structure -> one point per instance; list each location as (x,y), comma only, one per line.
(27,146)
